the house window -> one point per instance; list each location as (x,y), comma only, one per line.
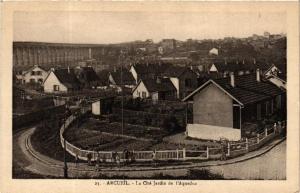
(143,94)
(39,73)
(32,72)
(32,80)
(56,87)
(40,80)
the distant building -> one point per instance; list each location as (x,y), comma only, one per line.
(224,107)
(148,70)
(213,51)
(35,74)
(224,68)
(267,34)
(87,77)
(61,80)
(118,77)
(160,50)
(168,44)
(155,89)
(183,79)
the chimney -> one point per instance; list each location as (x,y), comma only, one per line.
(69,69)
(257,75)
(254,61)
(115,69)
(232,79)
(243,61)
(225,61)
(52,69)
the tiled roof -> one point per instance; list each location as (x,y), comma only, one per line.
(127,77)
(68,78)
(103,76)
(88,74)
(156,68)
(175,71)
(247,89)
(234,66)
(165,84)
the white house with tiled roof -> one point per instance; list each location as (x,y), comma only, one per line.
(61,80)
(224,107)
(35,74)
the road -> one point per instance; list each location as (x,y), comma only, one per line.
(250,166)
(271,165)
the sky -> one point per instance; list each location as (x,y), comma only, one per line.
(115,27)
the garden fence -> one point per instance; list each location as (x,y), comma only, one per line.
(233,148)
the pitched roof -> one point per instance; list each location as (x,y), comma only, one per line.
(247,90)
(88,74)
(146,68)
(26,69)
(165,84)
(103,77)
(68,78)
(175,71)
(127,77)
(234,66)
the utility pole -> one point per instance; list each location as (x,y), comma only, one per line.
(122,97)
(65,162)
(186,113)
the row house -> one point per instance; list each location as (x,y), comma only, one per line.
(222,68)
(225,107)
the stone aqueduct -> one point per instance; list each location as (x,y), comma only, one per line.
(39,53)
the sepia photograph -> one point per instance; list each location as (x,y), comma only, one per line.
(130,95)
(110,97)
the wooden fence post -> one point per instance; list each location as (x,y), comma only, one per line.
(183,153)
(266,132)
(177,153)
(247,144)
(207,152)
(257,138)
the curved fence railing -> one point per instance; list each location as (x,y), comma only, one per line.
(233,149)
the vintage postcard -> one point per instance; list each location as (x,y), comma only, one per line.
(149,96)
